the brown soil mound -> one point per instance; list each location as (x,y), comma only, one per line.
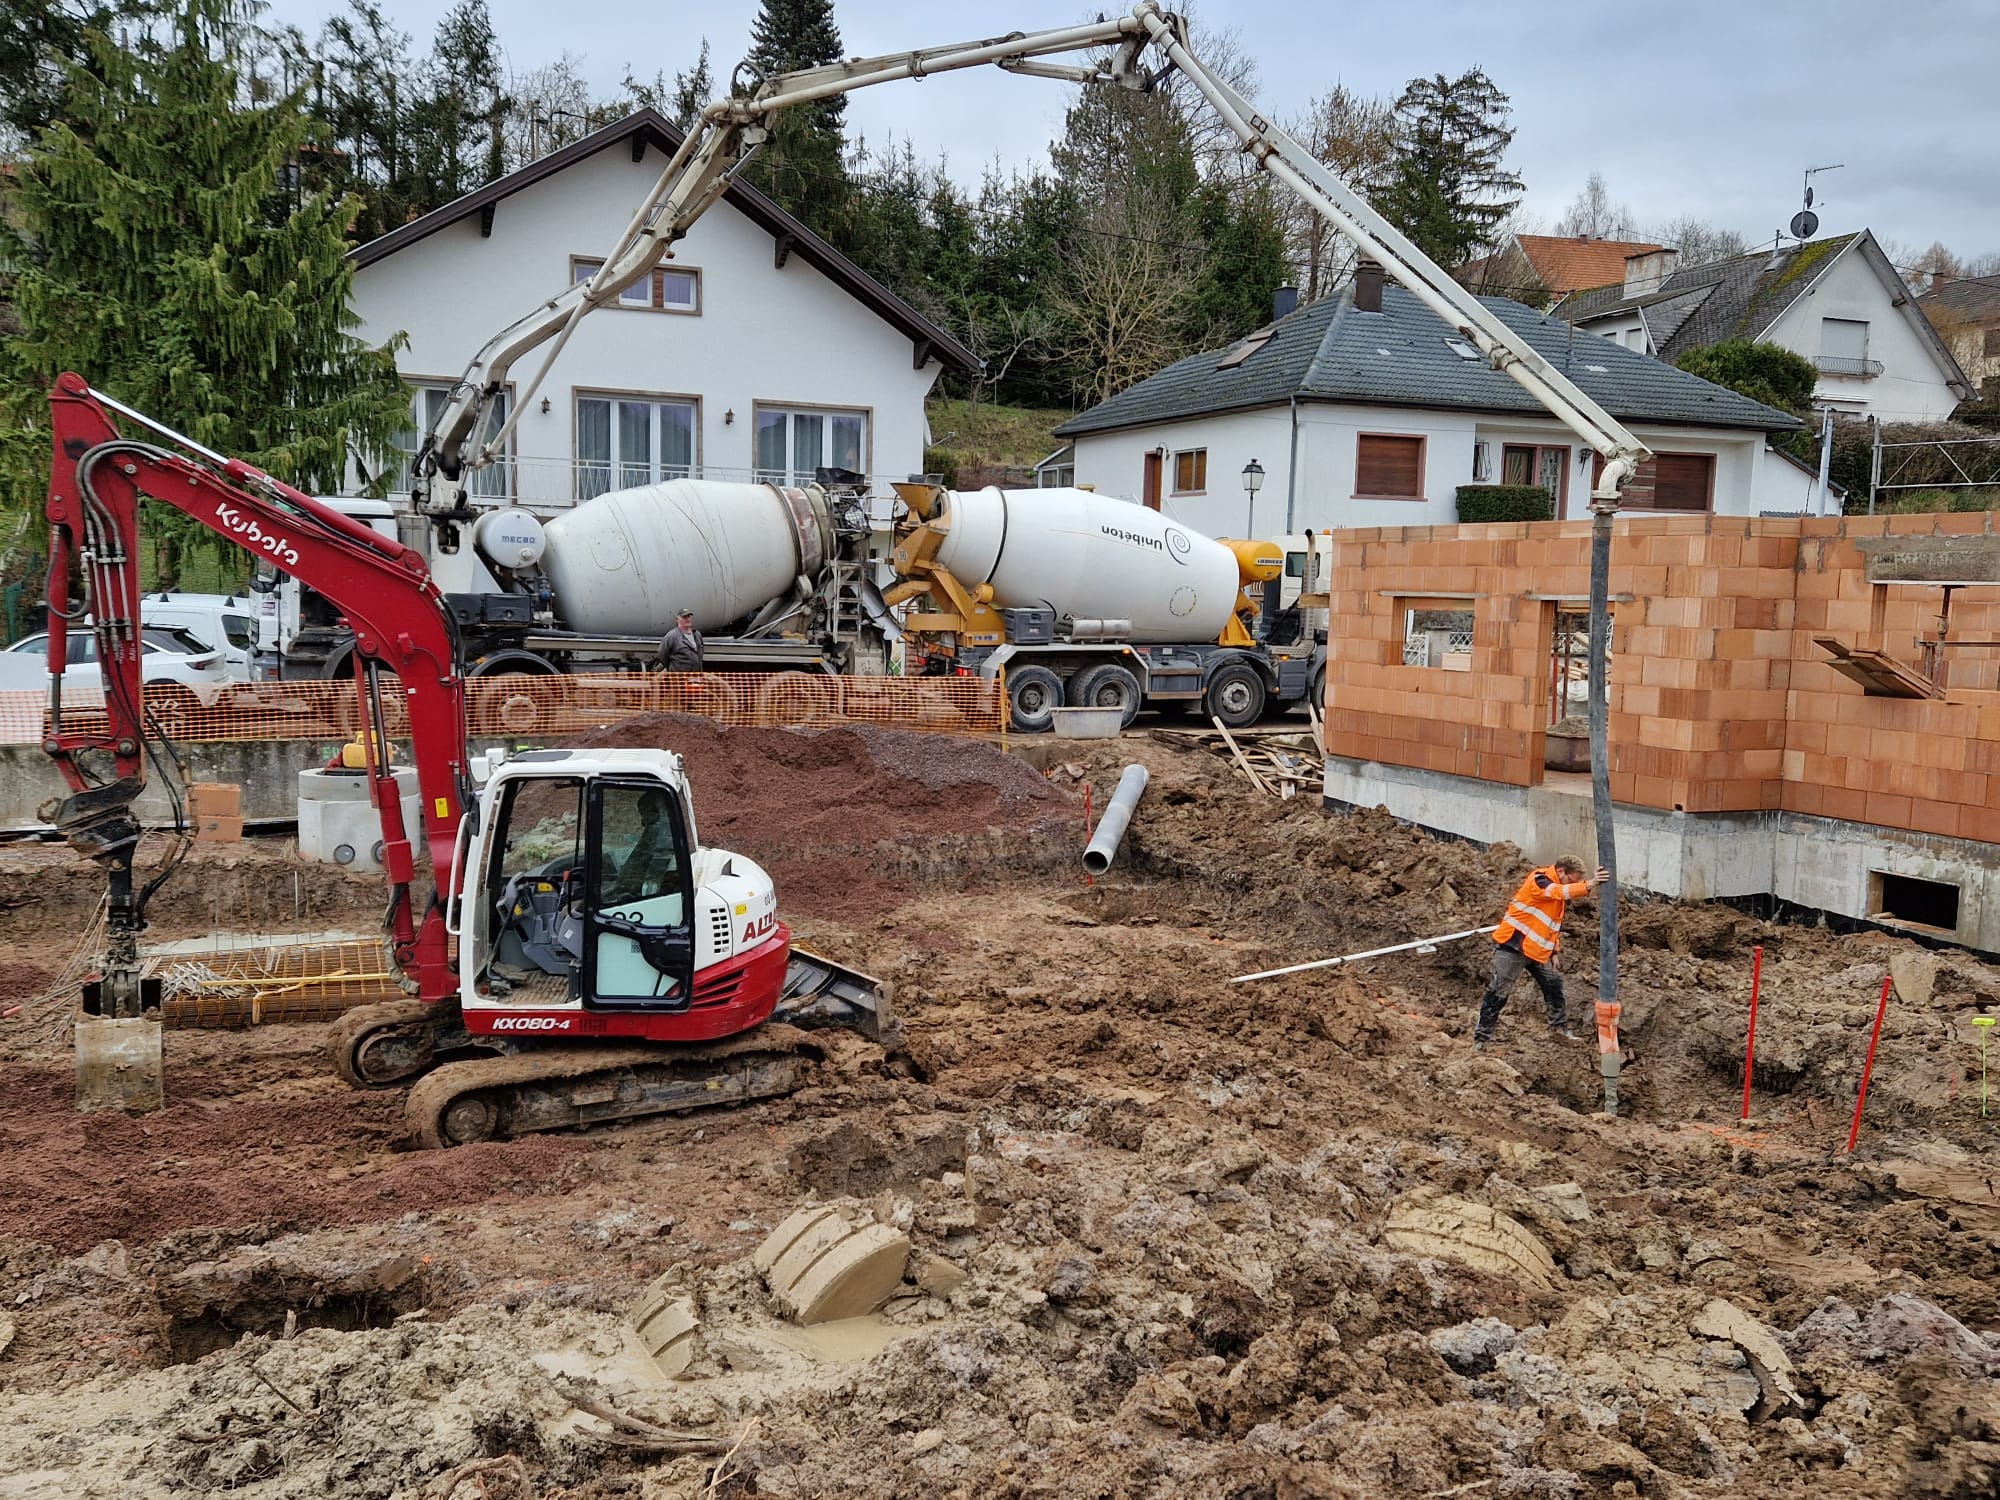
(834,813)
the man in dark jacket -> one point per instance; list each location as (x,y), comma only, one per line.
(681,647)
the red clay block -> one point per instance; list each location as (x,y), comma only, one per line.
(1935,817)
(1889,811)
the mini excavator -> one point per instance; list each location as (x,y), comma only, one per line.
(581,956)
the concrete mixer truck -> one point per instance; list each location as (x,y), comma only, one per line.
(1088,601)
(778,578)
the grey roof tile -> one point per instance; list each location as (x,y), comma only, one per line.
(1740,296)
(1402,356)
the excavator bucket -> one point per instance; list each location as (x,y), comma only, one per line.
(819,992)
(118,1063)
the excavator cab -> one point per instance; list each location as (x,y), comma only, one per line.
(587,896)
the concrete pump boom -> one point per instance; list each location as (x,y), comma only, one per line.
(729,131)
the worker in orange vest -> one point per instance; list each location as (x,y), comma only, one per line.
(1529,937)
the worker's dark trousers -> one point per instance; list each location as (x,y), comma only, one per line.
(1507,966)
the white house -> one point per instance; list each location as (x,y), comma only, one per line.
(757,350)
(1364,409)
(1839,302)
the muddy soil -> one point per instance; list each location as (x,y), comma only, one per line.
(1173,1237)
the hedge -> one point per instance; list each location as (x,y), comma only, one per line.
(1504,502)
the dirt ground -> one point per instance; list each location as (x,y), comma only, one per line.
(1174,1237)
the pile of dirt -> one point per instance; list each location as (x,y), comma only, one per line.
(846,819)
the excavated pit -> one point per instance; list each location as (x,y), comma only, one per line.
(1171,1236)
(210,1305)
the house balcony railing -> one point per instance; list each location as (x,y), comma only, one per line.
(1857,369)
(547,484)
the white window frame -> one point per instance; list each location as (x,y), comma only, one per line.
(618,472)
(1199,456)
(649,292)
(795,418)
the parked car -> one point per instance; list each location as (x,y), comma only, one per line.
(226,623)
(189,675)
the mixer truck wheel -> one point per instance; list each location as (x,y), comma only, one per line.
(794,698)
(1235,695)
(1107,686)
(1033,696)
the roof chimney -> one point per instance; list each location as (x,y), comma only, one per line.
(1368,287)
(1284,302)
(1648,270)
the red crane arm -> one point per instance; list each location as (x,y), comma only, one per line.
(384,589)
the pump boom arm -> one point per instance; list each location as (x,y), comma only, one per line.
(730,129)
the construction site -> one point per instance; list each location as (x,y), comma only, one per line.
(1165,1234)
(805,982)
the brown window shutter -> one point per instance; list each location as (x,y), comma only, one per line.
(1683,481)
(1392,467)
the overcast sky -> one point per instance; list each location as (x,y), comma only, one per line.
(1712,107)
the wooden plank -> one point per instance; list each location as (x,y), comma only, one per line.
(1877,672)
(1229,740)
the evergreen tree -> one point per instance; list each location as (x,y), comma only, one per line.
(693,89)
(159,251)
(458,121)
(361,97)
(1244,232)
(40,41)
(1449,186)
(803,165)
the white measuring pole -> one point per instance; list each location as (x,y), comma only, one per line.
(1348,958)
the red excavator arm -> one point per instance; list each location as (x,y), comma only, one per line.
(383,588)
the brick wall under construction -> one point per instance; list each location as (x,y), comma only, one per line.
(1721,699)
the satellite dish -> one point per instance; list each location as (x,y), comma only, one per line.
(1805,224)
(1808,197)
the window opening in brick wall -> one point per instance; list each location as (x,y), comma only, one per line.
(1569,671)
(1437,636)
(1905,898)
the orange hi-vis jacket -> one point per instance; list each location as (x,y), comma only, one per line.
(1536,912)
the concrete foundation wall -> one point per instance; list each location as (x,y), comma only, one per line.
(1825,864)
(266,770)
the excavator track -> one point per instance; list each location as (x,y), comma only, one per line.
(496,1098)
(380,1046)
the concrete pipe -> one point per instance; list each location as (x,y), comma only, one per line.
(1117,818)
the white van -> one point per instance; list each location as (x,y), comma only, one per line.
(225,623)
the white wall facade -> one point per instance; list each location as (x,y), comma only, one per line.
(1328,439)
(763,335)
(1113,463)
(1912,386)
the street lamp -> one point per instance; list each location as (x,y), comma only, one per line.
(1253,481)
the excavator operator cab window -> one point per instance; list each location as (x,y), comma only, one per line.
(529,932)
(639,933)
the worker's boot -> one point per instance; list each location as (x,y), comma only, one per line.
(1560,1029)
(1484,1029)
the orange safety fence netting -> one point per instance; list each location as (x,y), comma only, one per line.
(508,706)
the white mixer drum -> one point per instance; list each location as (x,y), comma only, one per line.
(1092,557)
(623,563)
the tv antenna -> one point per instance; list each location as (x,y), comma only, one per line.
(1805,223)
